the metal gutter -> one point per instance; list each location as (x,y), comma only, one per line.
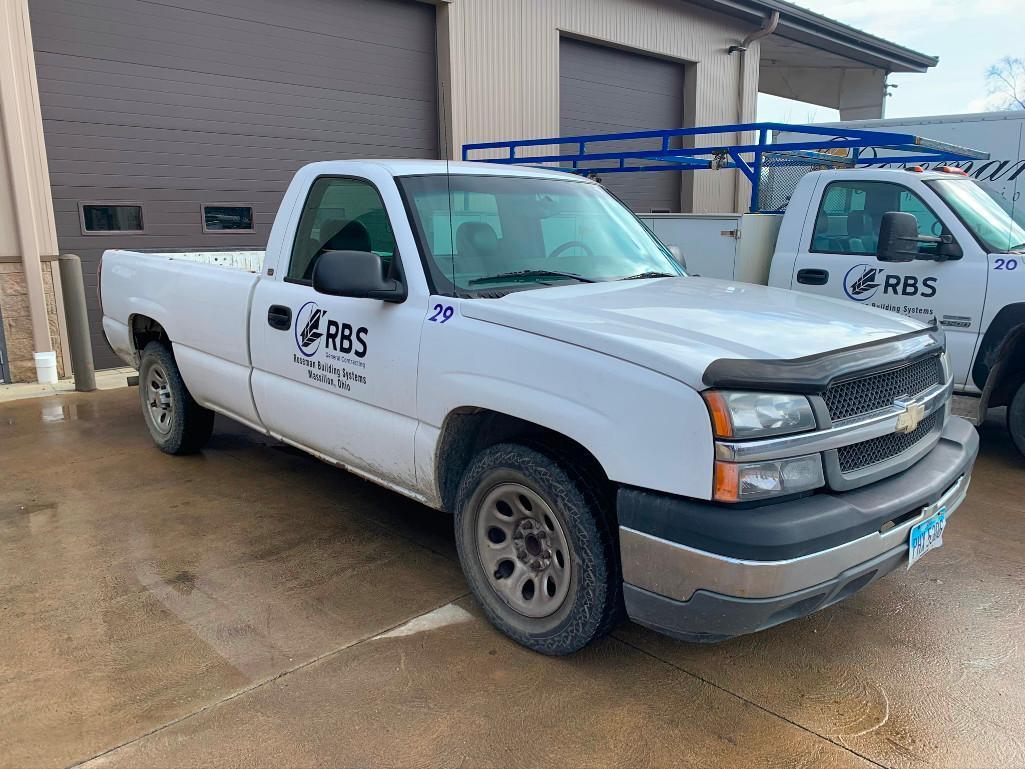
(827,34)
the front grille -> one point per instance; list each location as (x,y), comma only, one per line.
(878,391)
(858,456)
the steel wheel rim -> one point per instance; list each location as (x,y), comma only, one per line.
(523,550)
(158,399)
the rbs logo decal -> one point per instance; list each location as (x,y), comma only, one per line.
(313,329)
(863,281)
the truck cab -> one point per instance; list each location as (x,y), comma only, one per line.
(964,270)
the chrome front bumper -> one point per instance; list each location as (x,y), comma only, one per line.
(677,571)
(685,580)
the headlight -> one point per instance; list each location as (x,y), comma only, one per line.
(739,414)
(756,480)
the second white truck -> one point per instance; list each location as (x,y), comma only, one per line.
(958,262)
(612,436)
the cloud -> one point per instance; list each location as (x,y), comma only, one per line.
(911,20)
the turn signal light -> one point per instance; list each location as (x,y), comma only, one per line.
(720,414)
(727,485)
(758,480)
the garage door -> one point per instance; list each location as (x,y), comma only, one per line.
(178,124)
(605,90)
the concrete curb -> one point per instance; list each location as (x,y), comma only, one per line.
(109,379)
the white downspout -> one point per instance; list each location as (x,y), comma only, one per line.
(745,98)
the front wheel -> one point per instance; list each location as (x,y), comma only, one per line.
(537,550)
(177,423)
(1016,419)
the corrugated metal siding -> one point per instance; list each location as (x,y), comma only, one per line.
(5,375)
(607,90)
(504,66)
(184,102)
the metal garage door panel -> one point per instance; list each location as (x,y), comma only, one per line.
(184,102)
(605,90)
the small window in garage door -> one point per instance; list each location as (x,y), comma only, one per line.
(99,218)
(227,218)
(340,214)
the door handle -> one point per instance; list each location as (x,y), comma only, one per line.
(813,277)
(279,317)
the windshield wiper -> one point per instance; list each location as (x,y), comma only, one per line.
(651,274)
(525,274)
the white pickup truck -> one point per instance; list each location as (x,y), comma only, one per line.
(961,263)
(513,346)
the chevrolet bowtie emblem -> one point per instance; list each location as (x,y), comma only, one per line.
(908,419)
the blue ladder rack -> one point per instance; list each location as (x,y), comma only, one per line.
(749,158)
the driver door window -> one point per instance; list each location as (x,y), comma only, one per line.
(340,215)
(850,214)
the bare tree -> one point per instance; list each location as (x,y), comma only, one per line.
(1006,83)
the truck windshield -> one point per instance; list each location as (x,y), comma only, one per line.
(991,225)
(488,234)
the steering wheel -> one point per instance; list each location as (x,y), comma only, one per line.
(937,228)
(557,252)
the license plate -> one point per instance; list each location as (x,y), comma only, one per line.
(926,536)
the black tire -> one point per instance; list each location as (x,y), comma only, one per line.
(177,423)
(589,587)
(1016,419)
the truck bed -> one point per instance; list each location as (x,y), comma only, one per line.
(203,301)
(248,260)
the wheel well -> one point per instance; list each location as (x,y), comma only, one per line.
(1008,370)
(146,330)
(467,431)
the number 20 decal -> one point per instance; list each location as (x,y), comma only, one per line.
(1005,264)
(442,313)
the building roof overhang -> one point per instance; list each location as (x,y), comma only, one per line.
(800,27)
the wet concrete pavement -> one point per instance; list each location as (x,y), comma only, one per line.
(250,606)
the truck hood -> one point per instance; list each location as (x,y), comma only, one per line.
(678,326)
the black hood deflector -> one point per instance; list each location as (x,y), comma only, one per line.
(814,373)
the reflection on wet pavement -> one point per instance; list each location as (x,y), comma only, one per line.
(252,607)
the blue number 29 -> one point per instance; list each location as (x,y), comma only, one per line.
(442,313)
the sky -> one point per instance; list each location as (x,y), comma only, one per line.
(967,35)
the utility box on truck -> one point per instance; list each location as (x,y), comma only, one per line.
(725,246)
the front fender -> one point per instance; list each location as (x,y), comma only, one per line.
(644,428)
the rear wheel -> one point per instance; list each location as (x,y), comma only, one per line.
(177,423)
(1016,419)
(537,550)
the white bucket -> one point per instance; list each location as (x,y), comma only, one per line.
(46,367)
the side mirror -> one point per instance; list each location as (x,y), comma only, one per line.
(678,256)
(949,250)
(898,237)
(356,274)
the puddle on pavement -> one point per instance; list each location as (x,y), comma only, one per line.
(70,412)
